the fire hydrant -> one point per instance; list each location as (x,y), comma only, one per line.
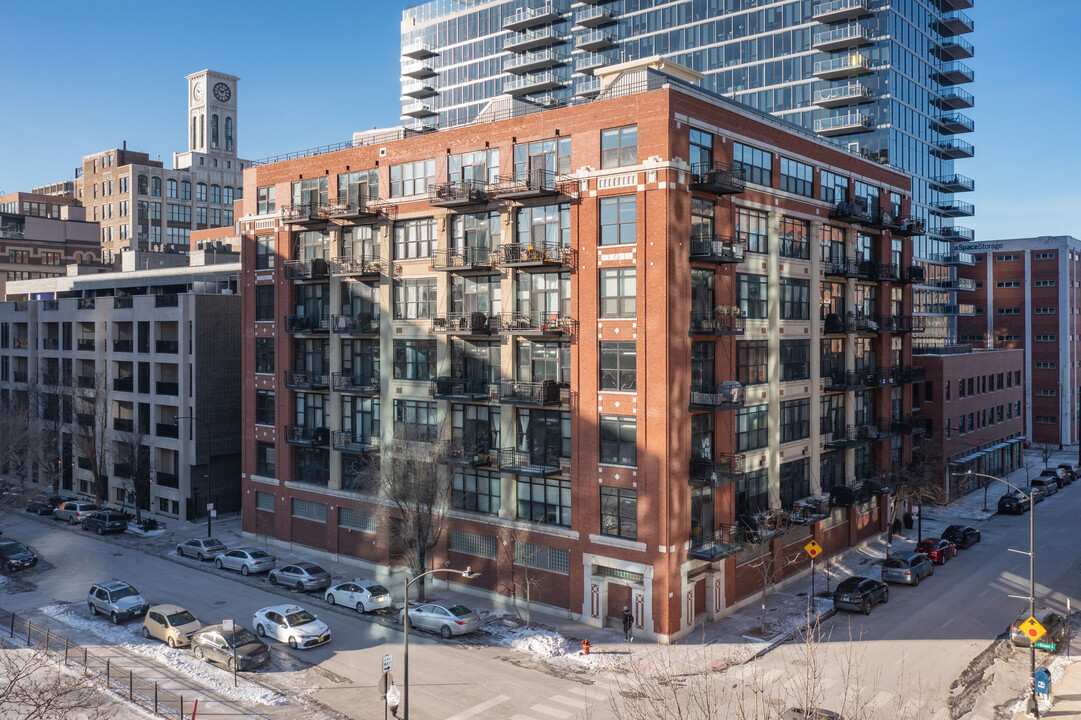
(585,647)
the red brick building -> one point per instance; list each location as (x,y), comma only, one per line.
(607,311)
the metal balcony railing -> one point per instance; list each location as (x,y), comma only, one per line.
(306,380)
(729,395)
(453,194)
(723,542)
(545,393)
(536,257)
(714,248)
(526,184)
(307,324)
(538,323)
(855,210)
(464,324)
(717,178)
(722,469)
(348,382)
(309,436)
(449,388)
(722,321)
(359,324)
(542,461)
(470,258)
(364,265)
(316,269)
(349,441)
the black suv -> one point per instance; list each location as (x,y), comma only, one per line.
(16,556)
(1069,474)
(43,505)
(1014,502)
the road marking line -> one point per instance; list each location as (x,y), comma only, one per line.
(947,622)
(573,702)
(984,592)
(478,709)
(553,712)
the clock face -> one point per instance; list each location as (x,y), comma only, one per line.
(222,92)
(197,92)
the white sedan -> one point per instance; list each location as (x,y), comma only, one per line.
(291,624)
(360,593)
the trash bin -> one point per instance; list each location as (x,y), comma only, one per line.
(907,519)
(1043,682)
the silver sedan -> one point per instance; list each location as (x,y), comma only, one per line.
(246,560)
(302,576)
(447,620)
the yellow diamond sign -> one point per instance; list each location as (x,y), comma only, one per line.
(813,549)
(1032,629)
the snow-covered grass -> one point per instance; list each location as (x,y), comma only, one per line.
(181,661)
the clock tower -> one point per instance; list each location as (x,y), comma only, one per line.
(212,120)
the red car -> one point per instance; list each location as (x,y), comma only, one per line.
(937,549)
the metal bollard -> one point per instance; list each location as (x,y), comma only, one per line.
(131,686)
(107,673)
(155,698)
(86,665)
(48,636)
(181,706)
(11,633)
(67,648)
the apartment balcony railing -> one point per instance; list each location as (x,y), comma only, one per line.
(464,260)
(853,93)
(837,10)
(949,5)
(912,274)
(316,269)
(595,40)
(914,373)
(419,69)
(302,214)
(715,249)
(450,388)
(531,40)
(350,442)
(536,258)
(307,436)
(954,23)
(85,344)
(954,98)
(307,324)
(123,302)
(955,123)
(954,183)
(547,325)
(955,49)
(356,266)
(124,384)
(122,470)
(889,272)
(533,61)
(956,258)
(166,300)
(586,63)
(592,17)
(908,226)
(723,542)
(306,380)
(419,50)
(539,462)
(956,232)
(844,37)
(167,346)
(86,304)
(166,387)
(354,384)
(526,184)
(166,479)
(837,381)
(457,194)
(858,378)
(419,109)
(545,81)
(851,268)
(359,324)
(955,73)
(852,211)
(87,382)
(717,178)
(529,17)
(168,430)
(729,395)
(723,469)
(895,323)
(418,89)
(123,424)
(956,208)
(359,209)
(475,323)
(850,64)
(538,394)
(123,346)
(724,320)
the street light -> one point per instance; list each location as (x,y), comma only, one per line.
(467,573)
(209,493)
(1033,706)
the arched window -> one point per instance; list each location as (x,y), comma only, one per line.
(193,135)
(227,197)
(215,193)
(202,131)
(185,190)
(200,192)
(214,131)
(155,186)
(170,188)
(228,133)
(141,184)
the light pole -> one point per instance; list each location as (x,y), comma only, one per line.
(1033,706)
(467,573)
(209,491)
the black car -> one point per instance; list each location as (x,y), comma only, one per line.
(1014,502)
(16,556)
(859,593)
(963,536)
(43,505)
(1052,622)
(1070,474)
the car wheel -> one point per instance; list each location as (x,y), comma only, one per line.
(865,608)
(231,664)
(71,520)
(931,570)
(445,631)
(93,608)
(273,579)
(978,537)
(917,582)
(201,558)
(180,551)
(171,642)
(330,599)
(260,630)
(146,632)
(199,653)
(293,643)
(101,530)
(885,595)
(243,569)
(360,607)
(115,618)
(300,586)
(218,564)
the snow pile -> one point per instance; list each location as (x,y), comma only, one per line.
(129,637)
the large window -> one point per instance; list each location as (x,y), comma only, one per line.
(545,226)
(832,409)
(794,235)
(544,500)
(757,165)
(264,463)
(619,147)
(264,355)
(797,177)
(701,159)
(480,167)
(619,220)
(414,359)
(540,361)
(752,292)
(171,189)
(312,191)
(752,428)
(618,366)
(752,492)
(702,212)
(703,366)
(751,361)
(751,230)
(312,466)
(795,481)
(618,291)
(356,188)
(264,251)
(265,199)
(795,360)
(416,420)
(264,302)
(795,299)
(834,188)
(200,192)
(476,491)
(411,178)
(414,239)
(414,298)
(264,407)
(619,513)
(618,439)
(549,156)
(795,420)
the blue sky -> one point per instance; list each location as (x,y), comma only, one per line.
(83,77)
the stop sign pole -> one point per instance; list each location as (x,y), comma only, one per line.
(813,549)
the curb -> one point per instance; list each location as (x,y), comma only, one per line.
(781,639)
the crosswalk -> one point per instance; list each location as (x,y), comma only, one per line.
(571,703)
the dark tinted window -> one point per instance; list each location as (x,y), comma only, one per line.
(460,610)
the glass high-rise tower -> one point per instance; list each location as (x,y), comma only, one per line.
(884,79)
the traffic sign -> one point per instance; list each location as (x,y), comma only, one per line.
(387,662)
(227,625)
(813,549)
(209,507)
(1032,629)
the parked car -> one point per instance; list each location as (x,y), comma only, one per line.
(1014,502)
(360,593)
(447,620)
(1060,476)
(43,505)
(1037,496)
(938,549)
(74,511)
(1069,473)
(171,624)
(239,647)
(303,576)
(246,560)
(859,593)
(16,556)
(1052,622)
(117,599)
(291,624)
(1047,484)
(104,521)
(963,536)
(202,548)
(907,568)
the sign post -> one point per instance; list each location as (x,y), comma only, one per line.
(227,626)
(387,690)
(813,549)
(210,514)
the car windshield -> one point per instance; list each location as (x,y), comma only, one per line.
(893,564)
(213,543)
(300,617)
(258,554)
(181,618)
(123,593)
(849,585)
(378,590)
(460,610)
(9,549)
(240,637)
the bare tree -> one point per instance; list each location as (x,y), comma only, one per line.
(17,445)
(33,687)
(767,565)
(90,434)
(51,405)
(1047,451)
(913,483)
(523,581)
(134,454)
(412,474)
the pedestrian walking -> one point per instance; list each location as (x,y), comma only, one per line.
(628,623)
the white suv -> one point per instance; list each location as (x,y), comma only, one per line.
(117,599)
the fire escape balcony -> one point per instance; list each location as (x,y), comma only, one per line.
(347,382)
(305,324)
(358,324)
(843,37)
(895,323)
(536,258)
(474,323)
(954,23)
(536,394)
(530,17)
(729,395)
(533,61)
(850,64)
(359,267)
(725,468)
(301,270)
(540,325)
(306,380)
(715,249)
(450,388)
(955,73)
(347,441)
(954,149)
(717,178)
(838,10)
(853,93)
(724,320)
(715,546)
(464,260)
(307,436)
(953,183)
(538,462)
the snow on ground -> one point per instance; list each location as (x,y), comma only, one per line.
(542,643)
(132,530)
(181,661)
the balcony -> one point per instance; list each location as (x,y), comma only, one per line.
(531,40)
(304,214)
(538,462)
(965,284)
(418,109)
(955,73)
(838,381)
(955,99)
(536,394)
(123,346)
(122,302)
(845,37)
(457,194)
(846,437)
(956,258)
(419,50)
(954,23)
(530,17)
(418,69)
(171,347)
(84,345)
(953,183)
(850,64)
(536,258)
(898,225)
(349,442)
(852,211)
(418,89)
(354,384)
(361,267)
(476,455)
(715,249)
(307,436)
(717,179)
(537,83)
(717,545)
(955,208)
(729,395)
(725,468)
(301,324)
(360,209)
(541,325)
(588,88)
(123,424)
(124,384)
(86,382)
(531,62)
(838,10)
(853,93)
(955,49)
(316,269)
(853,122)
(166,479)
(306,380)
(956,233)
(475,323)
(586,63)
(861,378)
(594,17)
(470,259)
(167,430)
(527,184)
(19,376)
(954,149)
(167,387)
(448,388)
(359,324)
(954,124)
(895,323)
(724,320)
(948,5)
(84,304)
(595,40)
(912,274)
